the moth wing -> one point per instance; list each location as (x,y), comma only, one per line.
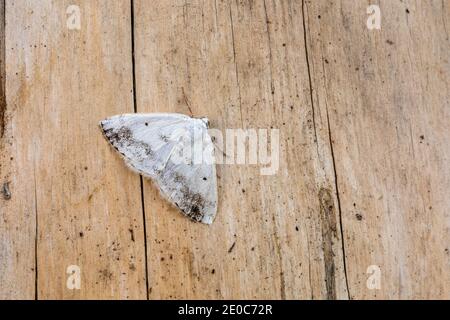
(145,140)
(192,187)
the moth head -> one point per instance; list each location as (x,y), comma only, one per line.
(205,121)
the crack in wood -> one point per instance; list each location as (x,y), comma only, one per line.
(339,205)
(309,72)
(141,180)
(2,71)
(235,67)
(36,238)
(324,199)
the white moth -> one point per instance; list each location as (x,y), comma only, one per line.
(175,151)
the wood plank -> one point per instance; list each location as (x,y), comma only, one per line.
(386,93)
(245,64)
(87,205)
(17,205)
(242,64)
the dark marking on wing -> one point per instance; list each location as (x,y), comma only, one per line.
(192,204)
(178,178)
(123,138)
(119,136)
(164,138)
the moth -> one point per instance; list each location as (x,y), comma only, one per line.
(175,151)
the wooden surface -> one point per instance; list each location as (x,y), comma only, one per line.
(363,179)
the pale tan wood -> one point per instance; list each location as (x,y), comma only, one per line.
(60,84)
(244,66)
(386,93)
(17,205)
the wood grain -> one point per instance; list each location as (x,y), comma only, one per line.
(243,65)
(386,93)
(65,180)
(363,178)
(17,203)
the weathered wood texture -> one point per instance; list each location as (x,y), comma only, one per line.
(17,206)
(64,180)
(243,65)
(386,93)
(363,118)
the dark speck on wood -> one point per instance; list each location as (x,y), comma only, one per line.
(232,247)
(132,234)
(6,192)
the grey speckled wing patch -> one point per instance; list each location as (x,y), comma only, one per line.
(156,145)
